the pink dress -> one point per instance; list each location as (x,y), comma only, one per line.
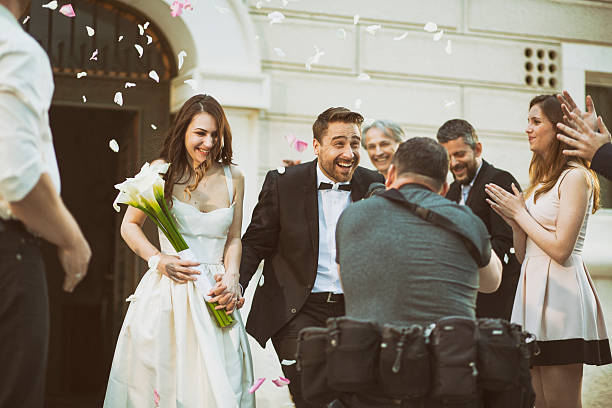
(558,303)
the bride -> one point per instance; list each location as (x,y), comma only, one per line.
(170,352)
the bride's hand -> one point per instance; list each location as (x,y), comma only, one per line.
(227,292)
(504,203)
(177,269)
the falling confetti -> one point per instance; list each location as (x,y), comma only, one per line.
(139,49)
(256,37)
(279,52)
(25,20)
(67,10)
(296,143)
(52,5)
(315,58)
(120,38)
(448,104)
(341,33)
(438,35)
(285,2)
(94,56)
(258,4)
(156,398)
(276,17)
(181,58)
(153,127)
(356,19)
(118,98)
(222,10)
(373,29)
(84,98)
(401,37)
(187,5)
(288,362)
(357,103)
(114,146)
(281,381)
(149,39)
(191,83)
(140,29)
(90,31)
(281,170)
(153,75)
(129,85)
(146,25)
(81,74)
(256,385)
(176,9)
(363,77)
(449,47)
(430,27)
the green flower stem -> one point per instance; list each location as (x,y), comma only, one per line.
(162,202)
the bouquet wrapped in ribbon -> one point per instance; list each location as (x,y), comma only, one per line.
(145,191)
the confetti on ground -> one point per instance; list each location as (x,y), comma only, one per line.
(67,10)
(94,56)
(81,74)
(363,77)
(430,27)
(288,362)
(357,103)
(120,38)
(356,19)
(373,29)
(191,83)
(129,85)
(153,127)
(118,98)
(139,49)
(315,58)
(401,37)
(181,58)
(84,98)
(281,381)
(449,47)
(153,75)
(149,39)
(279,52)
(114,146)
(52,5)
(276,17)
(341,33)
(256,385)
(222,10)
(25,20)
(90,31)
(140,29)
(438,35)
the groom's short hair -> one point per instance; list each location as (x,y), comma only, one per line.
(339,114)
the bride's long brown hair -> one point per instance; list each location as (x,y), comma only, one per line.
(545,171)
(175,153)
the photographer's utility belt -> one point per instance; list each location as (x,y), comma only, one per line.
(457,361)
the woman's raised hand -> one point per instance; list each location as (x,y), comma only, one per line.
(569,106)
(177,269)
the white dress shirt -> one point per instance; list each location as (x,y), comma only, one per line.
(26,89)
(331,204)
(465,188)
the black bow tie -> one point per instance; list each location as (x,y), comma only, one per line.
(328,186)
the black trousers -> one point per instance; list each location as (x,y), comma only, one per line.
(315,312)
(24,320)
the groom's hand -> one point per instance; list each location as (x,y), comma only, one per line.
(226,299)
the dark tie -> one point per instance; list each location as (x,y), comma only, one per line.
(328,186)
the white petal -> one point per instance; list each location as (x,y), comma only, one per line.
(118,98)
(181,58)
(401,37)
(356,19)
(258,4)
(131,298)
(288,362)
(341,33)
(192,83)
(81,74)
(146,25)
(90,31)
(52,5)
(84,98)
(94,56)
(140,29)
(430,27)
(448,104)
(285,2)
(261,279)
(363,77)
(25,20)
(438,35)
(120,38)
(149,39)
(256,37)
(139,49)
(449,47)
(153,127)
(276,17)
(129,85)
(357,103)
(315,58)
(373,29)
(222,10)
(153,75)
(114,146)
(279,52)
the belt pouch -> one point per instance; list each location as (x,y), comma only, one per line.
(499,355)
(404,369)
(352,352)
(312,364)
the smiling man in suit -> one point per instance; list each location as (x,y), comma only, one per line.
(293,230)
(471,173)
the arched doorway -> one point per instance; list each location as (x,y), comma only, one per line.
(84,118)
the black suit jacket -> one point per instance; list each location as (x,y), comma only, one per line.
(284,232)
(602,161)
(498,303)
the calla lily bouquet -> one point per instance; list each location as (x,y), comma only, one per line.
(145,191)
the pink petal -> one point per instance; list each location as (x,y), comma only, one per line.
(290,138)
(67,10)
(256,385)
(281,381)
(177,9)
(187,5)
(300,145)
(156,396)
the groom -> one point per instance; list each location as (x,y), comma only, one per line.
(293,230)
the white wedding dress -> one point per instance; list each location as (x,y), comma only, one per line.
(169,343)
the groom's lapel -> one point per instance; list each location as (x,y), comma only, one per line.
(358,189)
(311,205)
